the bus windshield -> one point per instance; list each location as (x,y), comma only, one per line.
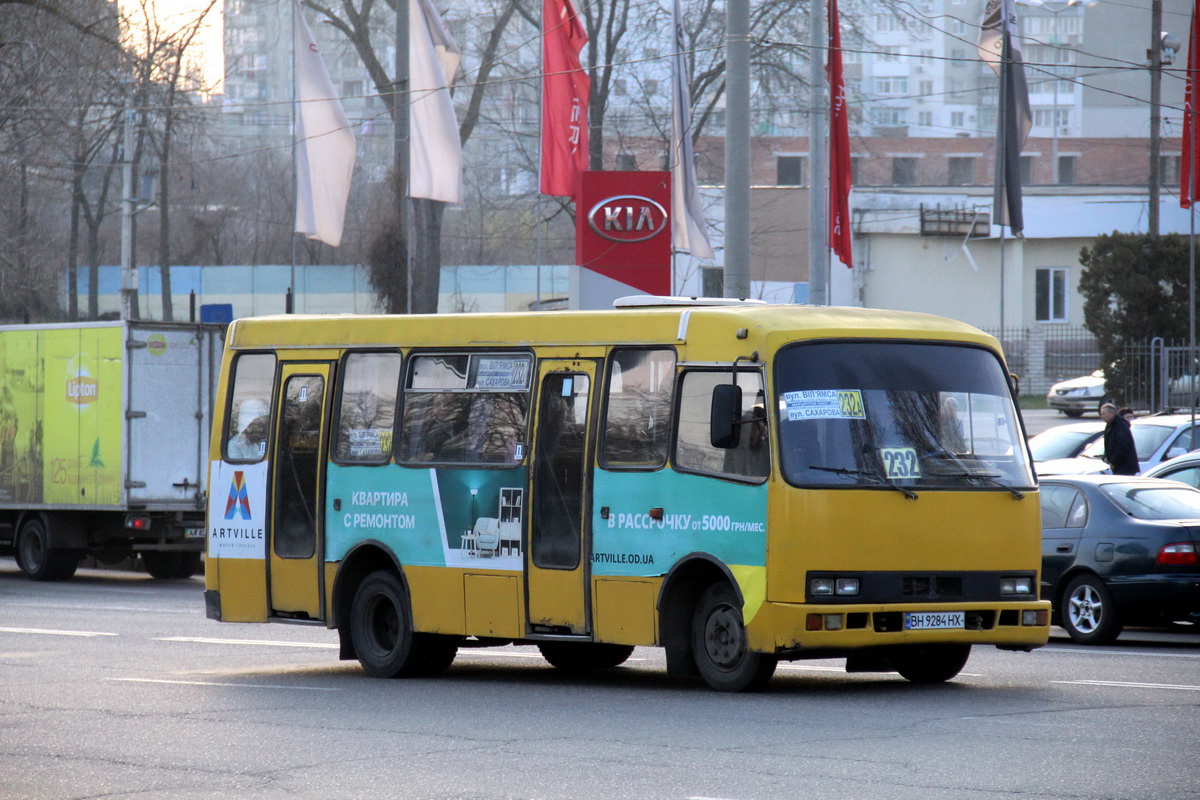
(898,415)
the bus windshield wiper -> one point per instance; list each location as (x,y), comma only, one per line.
(1019,495)
(879,480)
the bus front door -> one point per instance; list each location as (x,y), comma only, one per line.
(556,572)
(295,532)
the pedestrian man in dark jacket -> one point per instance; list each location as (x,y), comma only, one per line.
(1119,450)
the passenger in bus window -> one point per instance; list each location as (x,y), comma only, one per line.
(953,439)
(250,443)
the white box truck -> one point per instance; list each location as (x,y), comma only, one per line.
(104,431)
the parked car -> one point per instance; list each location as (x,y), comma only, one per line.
(1185,469)
(1076,396)
(1157,439)
(1065,441)
(1119,551)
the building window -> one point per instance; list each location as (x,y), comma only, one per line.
(957,119)
(904,171)
(626,162)
(650,87)
(856,170)
(962,171)
(1066,170)
(1026,170)
(1168,169)
(887,116)
(891,85)
(925,118)
(1050,301)
(789,170)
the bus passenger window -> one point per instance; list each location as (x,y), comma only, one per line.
(750,459)
(368,408)
(637,426)
(461,409)
(249,417)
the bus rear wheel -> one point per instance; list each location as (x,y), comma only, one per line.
(584,656)
(38,559)
(934,663)
(382,632)
(721,647)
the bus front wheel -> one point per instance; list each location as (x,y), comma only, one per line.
(934,663)
(721,647)
(382,631)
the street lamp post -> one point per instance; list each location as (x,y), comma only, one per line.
(1057,74)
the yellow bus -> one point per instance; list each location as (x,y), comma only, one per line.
(737,483)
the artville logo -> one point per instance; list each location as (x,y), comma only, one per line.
(238,504)
(627,218)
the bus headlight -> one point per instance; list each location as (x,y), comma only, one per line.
(829,586)
(1021,585)
(846,586)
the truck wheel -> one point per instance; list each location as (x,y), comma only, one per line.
(382,631)
(719,643)
(189,565)
(38,559)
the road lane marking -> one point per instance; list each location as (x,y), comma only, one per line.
(1103,651)
(235,685)
(1130,685)
(94,607)
(50,632)
(259,642)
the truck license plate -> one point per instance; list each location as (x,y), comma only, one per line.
(193,533)
(930,620)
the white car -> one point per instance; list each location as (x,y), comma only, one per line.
(1078,395)
(1157,439)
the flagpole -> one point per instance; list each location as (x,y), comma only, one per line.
(818,223)
(999,193)
(290,302)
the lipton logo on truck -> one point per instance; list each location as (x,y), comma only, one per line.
(82,389)
(627,218)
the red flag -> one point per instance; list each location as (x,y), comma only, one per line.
(839,145)
(1189,164)
(565,89)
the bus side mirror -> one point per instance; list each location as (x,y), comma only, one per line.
(723,430)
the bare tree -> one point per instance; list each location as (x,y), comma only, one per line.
(370,34)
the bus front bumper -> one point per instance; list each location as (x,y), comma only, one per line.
(801,630)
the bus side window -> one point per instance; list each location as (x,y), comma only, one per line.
(367,409)
(248,421)
(461,409)
(751,459)
(637,426)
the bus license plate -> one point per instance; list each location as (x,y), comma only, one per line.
(930,620)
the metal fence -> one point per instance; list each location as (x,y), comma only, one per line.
(1043,355)
(1159,375)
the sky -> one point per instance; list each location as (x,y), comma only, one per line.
(176,13)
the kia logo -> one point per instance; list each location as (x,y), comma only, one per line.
(627,218)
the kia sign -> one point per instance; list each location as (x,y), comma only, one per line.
(623,230)
(627,218)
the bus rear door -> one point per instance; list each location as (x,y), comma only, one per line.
(295,537)
(557,569)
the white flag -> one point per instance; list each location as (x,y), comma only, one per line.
(324,145)
(687,215)
(435,153)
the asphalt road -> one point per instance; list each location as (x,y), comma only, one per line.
(116,686)
(1042,419)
